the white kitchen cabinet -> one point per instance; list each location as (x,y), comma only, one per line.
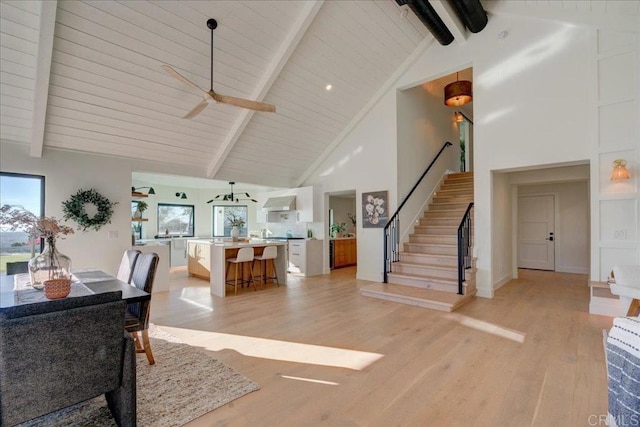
(178,252)
(305,257)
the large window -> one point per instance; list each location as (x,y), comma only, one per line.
(175,220)
(21,192)
(225,216)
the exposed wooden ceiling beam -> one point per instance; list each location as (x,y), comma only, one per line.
(43,71)
(287,47)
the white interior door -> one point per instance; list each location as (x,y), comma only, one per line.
(536,232)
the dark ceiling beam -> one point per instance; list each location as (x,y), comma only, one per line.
(471,13)
(431,20)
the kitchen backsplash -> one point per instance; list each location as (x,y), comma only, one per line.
(279,229)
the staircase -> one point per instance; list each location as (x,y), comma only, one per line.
(427,273)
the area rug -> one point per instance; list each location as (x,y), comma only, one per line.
(184,384)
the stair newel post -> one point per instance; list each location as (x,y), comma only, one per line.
(385,255)
(464,246)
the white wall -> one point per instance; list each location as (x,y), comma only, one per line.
(501,219)
(424,125)
(572,229)
(67,172)
(366,161)
(534,105)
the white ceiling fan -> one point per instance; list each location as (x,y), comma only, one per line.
(211,95)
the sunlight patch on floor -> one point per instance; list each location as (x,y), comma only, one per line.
(309,380)
(277,350)
(490,328)
(194,303)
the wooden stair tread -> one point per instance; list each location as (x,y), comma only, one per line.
(428,298)
(426,265)
(448,245)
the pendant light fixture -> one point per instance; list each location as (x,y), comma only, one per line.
(458,93)
(231,197)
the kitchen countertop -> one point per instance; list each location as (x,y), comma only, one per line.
(232,245)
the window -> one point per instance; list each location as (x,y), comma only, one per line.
(175,220)
(26,192)
(223,217)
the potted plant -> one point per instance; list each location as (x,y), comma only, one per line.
(336,229)
(141,206)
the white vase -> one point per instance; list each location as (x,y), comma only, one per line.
(235,233)
(137,214)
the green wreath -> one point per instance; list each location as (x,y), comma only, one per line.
(74,209)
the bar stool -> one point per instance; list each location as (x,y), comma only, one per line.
(268,254)
(245,255)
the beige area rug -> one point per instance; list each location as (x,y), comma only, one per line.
(184,384)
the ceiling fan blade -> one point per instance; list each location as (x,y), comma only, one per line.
(173,73)
(196,110)
(244,103)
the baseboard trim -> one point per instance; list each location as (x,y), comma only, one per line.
(573,270)
(484,293)
(500,283)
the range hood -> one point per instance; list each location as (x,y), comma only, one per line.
(276,204)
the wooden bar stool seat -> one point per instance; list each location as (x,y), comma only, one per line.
(245,255)
(268,254)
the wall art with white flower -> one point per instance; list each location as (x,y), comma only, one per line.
(375,212)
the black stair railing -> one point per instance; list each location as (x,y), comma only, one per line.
(392,229)
(465,243)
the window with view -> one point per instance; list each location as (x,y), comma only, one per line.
(175,220)
(225,217)
(26,192)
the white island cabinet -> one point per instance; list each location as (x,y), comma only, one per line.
(305,257)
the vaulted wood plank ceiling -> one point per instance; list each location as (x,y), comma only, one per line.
(107,93)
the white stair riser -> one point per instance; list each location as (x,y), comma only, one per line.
(426,284)
(453,214)
(449,222)
(428,259)
(431,249)
(446,206)
(443,231)
(441,273)
(437,239)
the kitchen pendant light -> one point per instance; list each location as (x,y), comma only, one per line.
(458,93)
(230,197)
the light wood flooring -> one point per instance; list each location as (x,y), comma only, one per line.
(531,356)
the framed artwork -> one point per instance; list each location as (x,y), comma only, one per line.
(375,213)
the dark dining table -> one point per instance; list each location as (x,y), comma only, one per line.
(95,280)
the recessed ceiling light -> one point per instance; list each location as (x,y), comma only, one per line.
(328,87)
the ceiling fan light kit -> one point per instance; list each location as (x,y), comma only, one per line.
(212,96)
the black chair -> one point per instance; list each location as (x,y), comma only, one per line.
(137,315)
(17,267)
(127,265)
(58,353)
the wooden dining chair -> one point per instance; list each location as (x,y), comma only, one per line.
(137,315)
(127,264)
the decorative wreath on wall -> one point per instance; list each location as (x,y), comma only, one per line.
(74,209)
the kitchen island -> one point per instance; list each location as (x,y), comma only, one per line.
(207,259)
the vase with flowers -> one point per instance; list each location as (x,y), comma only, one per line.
(236,221)
(50,270)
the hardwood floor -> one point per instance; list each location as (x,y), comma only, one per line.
(531,356)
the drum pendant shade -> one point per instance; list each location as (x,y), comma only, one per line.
(458,93)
